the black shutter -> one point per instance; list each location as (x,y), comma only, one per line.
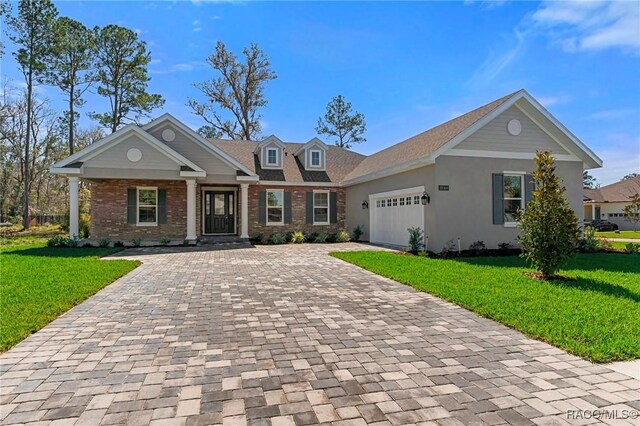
(262,207)
(333,206)
(498,201)
(162,206)
(309,207)
(287,206)
(528,189)
(132,205)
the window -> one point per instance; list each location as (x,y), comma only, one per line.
(275,203)
(315,158)
(416,199)
(320,207)
(402,201)
(382,203)
(395,202)
(513,197)
(147,206)
(272,156)
(377,203)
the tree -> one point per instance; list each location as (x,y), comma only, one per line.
(549,226)
(209,132)
(632,211)
(122,61)
(32,31)
(71,63)
(339,122)
(631,176)
(588,181)
(5,10)
(238,91)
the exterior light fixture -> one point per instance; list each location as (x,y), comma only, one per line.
(365,205)
(426,199)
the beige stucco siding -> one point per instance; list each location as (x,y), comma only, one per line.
(495,137)
(466,210)
(116,157)
(356,194)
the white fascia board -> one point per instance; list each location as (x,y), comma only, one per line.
(413,190)
(193,174)
(232,162)
(268,140)
(247,178)
(315,141)
(319,184)
(504,154)
(64,171)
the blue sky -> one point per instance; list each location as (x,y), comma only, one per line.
(406,66)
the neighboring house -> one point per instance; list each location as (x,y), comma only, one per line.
(608,202)
(465,178)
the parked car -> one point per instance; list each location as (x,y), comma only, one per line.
(603,225)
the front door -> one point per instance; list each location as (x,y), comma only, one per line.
(219,212)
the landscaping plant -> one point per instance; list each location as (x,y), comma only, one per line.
(549,226)
(137,241)
(321,237)
(104,242)
(164,241)
(589,243)
(632,211)
(342,237)
(297,237)
(278,238)
(357,232)
(416,239)
(477,247)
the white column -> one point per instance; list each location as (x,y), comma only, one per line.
(191,210)
(244,210)
(593,212)
(74,206)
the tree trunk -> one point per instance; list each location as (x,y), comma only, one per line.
(25,213)
(71,119)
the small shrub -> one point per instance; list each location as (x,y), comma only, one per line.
(278,238)
(341,237)
(477,248)
(57,241)
(321,237)
(84,225)
(297,237)
(505,246)
(357,232)
(164,241)
(265,239)
(72,242)
(449,249)
(423,253)
(118,244)
(104,242)
(310,236)
(87,245)
(632,248)
(588,242)
(416,239)
(605,245)
(137,241)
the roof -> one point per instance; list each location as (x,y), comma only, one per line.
(425,143)
(618,192)
(339,162)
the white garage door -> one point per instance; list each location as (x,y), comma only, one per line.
(391,213)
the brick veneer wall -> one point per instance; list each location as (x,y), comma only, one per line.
(109,210)
(298,211)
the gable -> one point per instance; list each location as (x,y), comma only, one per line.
(186,146)
(495,136)
(116,156)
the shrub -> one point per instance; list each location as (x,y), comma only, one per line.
(588,243)
(549,225)
(477,248)
(57,241)
(505,246)
(164,241)
(632,248)
(72,242)
(118,244)
(84,225)
(137,241)
(449,249)
(297,237)
(357,232)
(321,237)
(605,245)
(416,239)
(341,237)
(87,245)
(104,242)
(278,238)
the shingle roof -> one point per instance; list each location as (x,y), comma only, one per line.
(615,192)
(425,143)
(339,162)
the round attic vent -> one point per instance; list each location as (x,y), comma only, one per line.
(168,135)
(134,155)
(514,127)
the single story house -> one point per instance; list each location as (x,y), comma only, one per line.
(608,202)
(465,178)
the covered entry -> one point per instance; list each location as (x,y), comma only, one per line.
(391,213)
(219,212)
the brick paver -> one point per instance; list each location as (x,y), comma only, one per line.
(286,335)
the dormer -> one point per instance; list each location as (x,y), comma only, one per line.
(270,152)
(313,155)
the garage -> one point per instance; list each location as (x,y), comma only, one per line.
(391,213)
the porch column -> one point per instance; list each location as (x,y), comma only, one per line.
(244,210)
(593,212)
(74,206)
(191,210)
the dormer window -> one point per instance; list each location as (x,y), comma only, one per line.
(315,158)
(272,156)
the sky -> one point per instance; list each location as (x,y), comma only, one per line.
(406,66)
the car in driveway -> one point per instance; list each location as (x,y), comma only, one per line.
(603,225)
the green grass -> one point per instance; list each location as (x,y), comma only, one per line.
(621,234)
(38,283)
(596,315)
(618,245)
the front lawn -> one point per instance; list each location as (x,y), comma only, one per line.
(621,234)
(38,283)
(595,316)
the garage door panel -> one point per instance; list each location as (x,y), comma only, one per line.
(392,215)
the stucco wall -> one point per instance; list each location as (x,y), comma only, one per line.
(606,210)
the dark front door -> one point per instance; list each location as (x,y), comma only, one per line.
(219,212)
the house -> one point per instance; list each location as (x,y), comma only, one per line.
(608,202)
(465,178)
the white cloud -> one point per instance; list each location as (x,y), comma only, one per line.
(181,67)
(196,26)
(591,25)
(620,157)
(486,4)
(548,101)
(497,62)
(612,114)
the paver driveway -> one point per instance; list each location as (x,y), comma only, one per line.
(282,335)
